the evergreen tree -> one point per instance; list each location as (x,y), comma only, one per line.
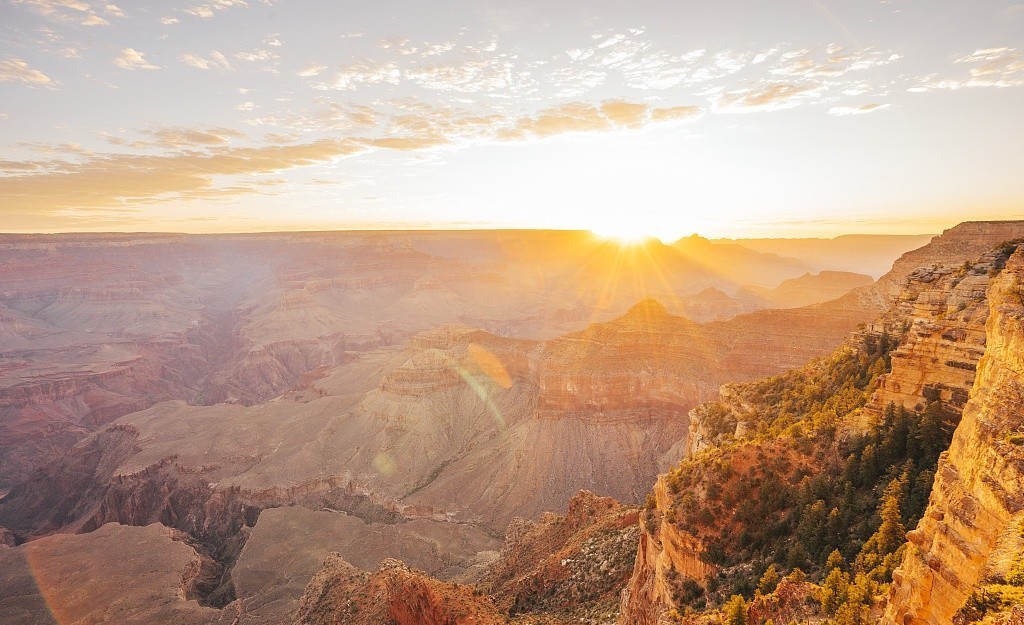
(769,580)
(735,611)
(890,535)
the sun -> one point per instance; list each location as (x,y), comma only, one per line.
(626,233)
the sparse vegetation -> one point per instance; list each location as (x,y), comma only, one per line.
(814,486)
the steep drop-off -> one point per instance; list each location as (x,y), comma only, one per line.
(843,419)
(978,496)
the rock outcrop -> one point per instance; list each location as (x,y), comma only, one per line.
(939,322)
(664,557)
(572,566)
(340,594)
(117,574)
(979,488)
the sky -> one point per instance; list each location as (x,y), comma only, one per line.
(727,118)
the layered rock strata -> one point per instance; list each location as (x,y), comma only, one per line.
(979,488)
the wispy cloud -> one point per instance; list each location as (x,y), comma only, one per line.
(206,11)
(132,59)
(256,55)
(200,158)
(833,62)
(67,11)
(214,60)
(857,110)
(17,70)
(120,181)
(311,70)
(768,96)
(364,72)
(990,67)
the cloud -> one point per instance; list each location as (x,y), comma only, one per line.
(176,137)
(206,11)
(130,58)
(834,63)
(365,72)
(246,106)
(273,39)
(621,113)
(120,181)
(311,70)
(256,55)
(168,21)
(65,11)
(676,113)
(992,67)
(171,137)
(661,70)
(572,117)
(857,110)
(475,75)
(17,70)
(113,9)
(202,11)
(572,82)
(200,162)
(768,97)
(215,60)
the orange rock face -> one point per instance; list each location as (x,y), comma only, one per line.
(979,488)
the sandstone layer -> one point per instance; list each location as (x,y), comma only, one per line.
(977,496)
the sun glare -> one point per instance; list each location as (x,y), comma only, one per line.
(626,234)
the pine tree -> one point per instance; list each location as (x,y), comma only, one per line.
(735,611)
(878,556)
(835,561)
(834,591)
(769,580)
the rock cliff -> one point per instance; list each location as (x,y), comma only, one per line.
(978,495)
(938,320)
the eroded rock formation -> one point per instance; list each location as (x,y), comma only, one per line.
(979,489)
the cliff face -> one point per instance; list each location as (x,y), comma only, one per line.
(963,242)
(939,320)
(978,495)
(665,554)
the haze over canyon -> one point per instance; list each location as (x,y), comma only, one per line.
(378,427)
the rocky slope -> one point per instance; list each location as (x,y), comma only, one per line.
(554,570)
(977,498)
(938,322)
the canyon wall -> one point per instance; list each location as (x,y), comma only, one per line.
(978,494)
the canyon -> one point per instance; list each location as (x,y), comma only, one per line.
(355,430)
